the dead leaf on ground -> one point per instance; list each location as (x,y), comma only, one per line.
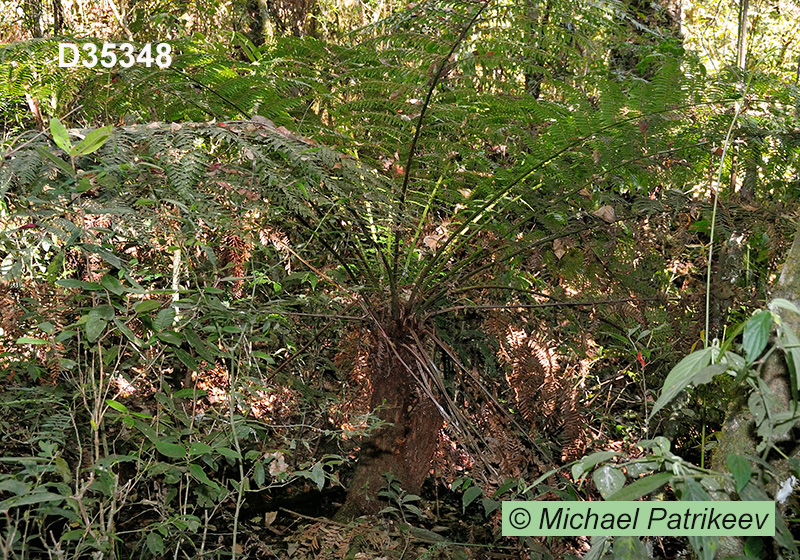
(559,248)
(606,213)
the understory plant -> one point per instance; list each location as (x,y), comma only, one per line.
(755,457)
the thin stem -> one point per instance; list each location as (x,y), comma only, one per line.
(412,153)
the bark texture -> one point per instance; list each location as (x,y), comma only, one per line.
(405,446)
(738,434)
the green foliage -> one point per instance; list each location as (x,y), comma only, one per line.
(444,161)
(403,503)
(773,420)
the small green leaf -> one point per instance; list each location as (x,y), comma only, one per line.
(228,452)
(117,406)
(62,165)
(587,463)
(94,328)
(60,135)
(93,141)
(629,548)
(318,475)
(740,469)
(200,448)
(189,393)
(155,544)
(103,253)
(170,337)
(259,476)
(780,303)
(164,319)
(708,373)
(198,345)
(74,535)
(197,472)
(105,312)
(791,345)
(691,490)
(112,284)
(754,547)
(608,480)
(187,359)
(14,486)
(641,487)
(756,335)
(489,505)
(705,547)
(470,496)
(146,305)
(173,450)
(79,284)
(30,499)
(125,330)
(681,376)
(29,340)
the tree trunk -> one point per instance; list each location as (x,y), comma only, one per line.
(32,17)
(738,434)
(255,22)
(292,16)
(643,18)
(405,446)
(58,17)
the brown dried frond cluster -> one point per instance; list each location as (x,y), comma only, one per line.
(234,254)
(10,311)
(279,240)
(49,306)
(53,309)
(450,460)
(353,359)
(544,391)
(329,540)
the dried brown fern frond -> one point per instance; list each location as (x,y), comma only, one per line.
(544,391)
(279,240)
(10,311)
(234,254)
(353,361)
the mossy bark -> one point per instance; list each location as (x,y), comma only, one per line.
(738,435)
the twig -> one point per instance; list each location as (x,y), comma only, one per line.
(537,305)
(317,519)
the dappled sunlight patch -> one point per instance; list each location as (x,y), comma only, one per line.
(122,386)
(214,380)
(277,402)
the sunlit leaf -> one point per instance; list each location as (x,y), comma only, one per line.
(608,479)
(681,376)
(756,335)
(93,141)
(60,135)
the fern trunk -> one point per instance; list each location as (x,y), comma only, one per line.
(405,446)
